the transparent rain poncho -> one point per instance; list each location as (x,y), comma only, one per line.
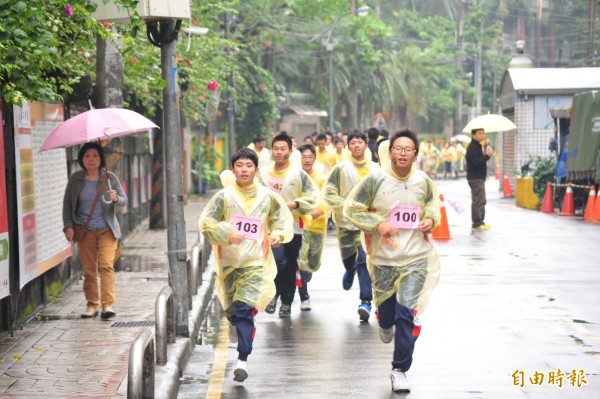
(227,178)
(406,260)
(245,272)
(342,179)
(293,184)
(383,150)
(311,251)
(313,235)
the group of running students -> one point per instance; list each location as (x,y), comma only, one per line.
(269,222)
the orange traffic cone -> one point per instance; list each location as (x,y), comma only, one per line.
(568,207)
(589,207)
(548,202)
(442,232)
(507,189)
(497,174)
(596,210)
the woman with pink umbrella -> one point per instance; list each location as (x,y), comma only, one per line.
(91,196)
(89,218)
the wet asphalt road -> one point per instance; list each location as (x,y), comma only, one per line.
(521,299)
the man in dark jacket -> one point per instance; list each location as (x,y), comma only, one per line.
(477,158)
(373,135)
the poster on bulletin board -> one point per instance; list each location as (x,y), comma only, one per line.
(41,182)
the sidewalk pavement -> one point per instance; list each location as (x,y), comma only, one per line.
(60,355)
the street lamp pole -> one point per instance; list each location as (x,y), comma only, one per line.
(330,42)
(331,91)
(330,46)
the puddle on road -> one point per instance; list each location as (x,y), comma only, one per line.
(476,257)
(209,331)
(579,341)
(194,379)
(139,263)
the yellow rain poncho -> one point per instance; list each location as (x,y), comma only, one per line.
(383,150)
(383,196)
(245,272)
(327,158)
(293,184)
(313,236)
(264,156)
(342,179)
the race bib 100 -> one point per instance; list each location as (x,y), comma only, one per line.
(405,216)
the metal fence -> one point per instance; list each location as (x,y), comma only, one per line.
(146,350)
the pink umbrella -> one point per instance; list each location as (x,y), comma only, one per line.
(96,124)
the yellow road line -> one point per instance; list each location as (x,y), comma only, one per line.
(215,386)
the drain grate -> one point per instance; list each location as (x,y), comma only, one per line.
(145,323)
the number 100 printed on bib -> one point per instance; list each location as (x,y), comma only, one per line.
(405,216)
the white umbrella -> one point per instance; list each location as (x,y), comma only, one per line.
(490,123)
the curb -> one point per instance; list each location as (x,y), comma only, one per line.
(167,377)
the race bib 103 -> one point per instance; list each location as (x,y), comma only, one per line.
(248,226)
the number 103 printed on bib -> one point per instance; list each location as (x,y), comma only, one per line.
(248,226)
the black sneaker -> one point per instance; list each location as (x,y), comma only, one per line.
(285,310)
(308,276)
(270,309)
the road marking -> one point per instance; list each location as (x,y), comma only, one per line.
(217,375)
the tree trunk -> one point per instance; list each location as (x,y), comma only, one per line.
(109,74)
(353,117)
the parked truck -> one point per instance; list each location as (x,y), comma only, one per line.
(583,156)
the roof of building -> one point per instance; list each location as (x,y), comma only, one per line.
(305,110)
(553,80)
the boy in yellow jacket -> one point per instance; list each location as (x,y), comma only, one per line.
(243,221)
(396,208)
(301,196)
(314,228)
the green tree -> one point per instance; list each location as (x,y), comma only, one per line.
(45,48)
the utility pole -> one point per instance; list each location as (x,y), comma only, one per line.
(460,29)
(330,43)
(591,54)
(538,34)
(330,53)
(163,34)
(478,78)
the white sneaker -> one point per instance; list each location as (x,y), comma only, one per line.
(240,373)
(305,305)
(399,381)
(386,334)
(233,338)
